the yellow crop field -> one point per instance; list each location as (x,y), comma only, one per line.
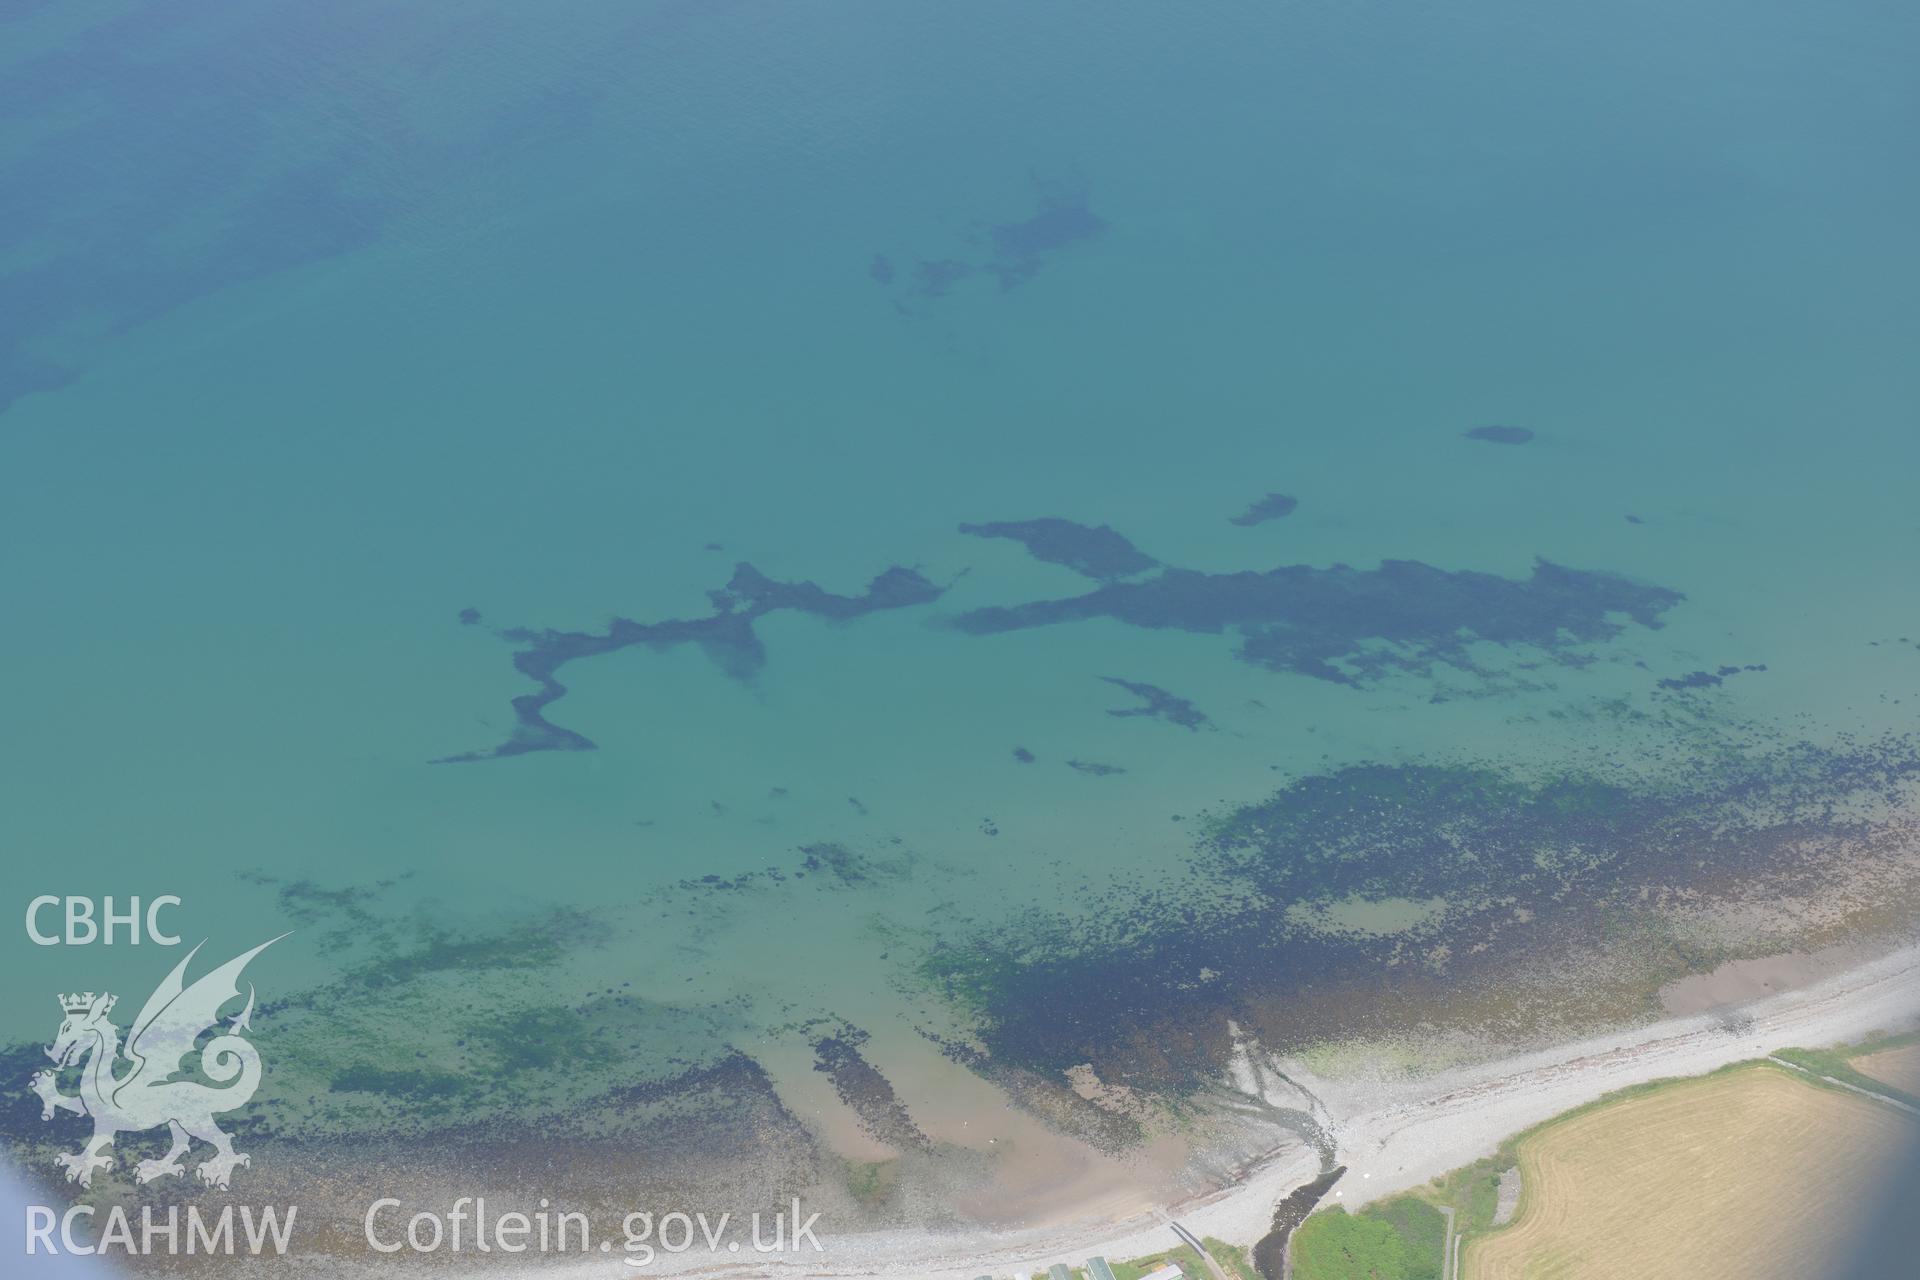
(1748,1174)
(1899,1067)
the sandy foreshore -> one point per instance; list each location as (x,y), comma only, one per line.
(1393,1134)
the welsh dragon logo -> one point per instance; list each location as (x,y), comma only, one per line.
(151,1090)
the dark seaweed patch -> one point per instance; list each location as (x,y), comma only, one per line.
(836,860)
(526,946)
(866,1091)
(1160,705)
(935,279)
(469,617)
(1023,755)
(413,1085)
(1062,221)
(347,914)
(541,1039)
(1351,626)
(308,903)
(653,1139)
(1011,253)
(726,636)
(1096,551)
(1094,768)
(1500,435)
(712,883)
(290,219)
(1707,679)
(833,866)
(1271,507)
(842,867)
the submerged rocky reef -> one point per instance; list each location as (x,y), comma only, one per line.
(726,636)
(1378,898)
(1092,551)
(1337,623)
(1010,253)
(1351,626)
(1273,506)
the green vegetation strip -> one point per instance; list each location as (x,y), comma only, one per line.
(1837,1064)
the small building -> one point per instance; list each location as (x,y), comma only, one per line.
(1059,1271)
(1098,1269)
(1171,1271)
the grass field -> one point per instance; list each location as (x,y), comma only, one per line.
(1398,1239)
(1749,1173)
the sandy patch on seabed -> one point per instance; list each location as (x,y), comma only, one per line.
(1740,982)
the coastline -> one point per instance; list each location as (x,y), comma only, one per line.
(1396,1134)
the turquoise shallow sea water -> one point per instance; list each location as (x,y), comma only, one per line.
(323,324)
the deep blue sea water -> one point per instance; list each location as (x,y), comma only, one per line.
(322,324)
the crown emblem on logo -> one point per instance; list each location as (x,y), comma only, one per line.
(81,1002)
